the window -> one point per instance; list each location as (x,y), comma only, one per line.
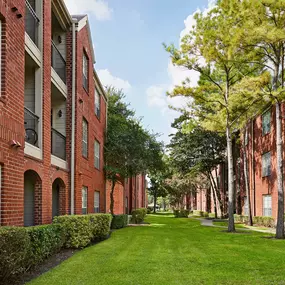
(85,72)
(97,104)
(266,120)
(266,164)
(245,206)
(97,154)
(84,200)
(126,205)
(218,182)
(84,138)
(96,202)
(267,206)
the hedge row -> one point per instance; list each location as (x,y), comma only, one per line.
(182,213)
(119,221)
(257,220)
(22,248)
(200,213)
(138,215)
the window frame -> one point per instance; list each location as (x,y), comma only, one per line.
(97,109)
(84,197)
(96,207)
(264,115)
(264,160)
(85,77)
(83,141)
(266,212)
(97,158)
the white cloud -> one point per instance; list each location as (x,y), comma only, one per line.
(108,79)
(99,8)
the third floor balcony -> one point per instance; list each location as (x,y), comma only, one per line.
(32,21)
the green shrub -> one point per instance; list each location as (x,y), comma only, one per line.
(149,210)
(200,213)
(182,213)
(138,215)
(14,252)
(263,221)
(205,214)
(100,225)
(211,215)
(45,241)
(119,221)
(77,230)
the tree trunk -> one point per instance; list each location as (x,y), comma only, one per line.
(215,202)
(112,196)
(231,227)
(154,202)
(246,180)
(280,213)
(216,193)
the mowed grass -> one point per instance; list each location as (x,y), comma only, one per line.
(174,251)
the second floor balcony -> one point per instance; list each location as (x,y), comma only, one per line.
(32,21)
(58,62)
(58,144)
(31,127)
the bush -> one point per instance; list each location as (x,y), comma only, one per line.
(200,213)
(80,230)
(100,226)
(149,210)
(44,241)
(119,221)
(77,230)
(138,215)
(14,252)
(182,213)
(263,221)
(211,215)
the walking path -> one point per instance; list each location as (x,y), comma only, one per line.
(209,223)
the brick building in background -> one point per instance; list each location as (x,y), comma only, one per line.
(128,195)
(52,115)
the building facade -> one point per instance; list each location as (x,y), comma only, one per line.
(52,115)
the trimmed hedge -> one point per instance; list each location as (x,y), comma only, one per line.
(119,221)
(138,215)
(200,213)
(257,220)
(182,213)
(14,252)
(45,240)
(80,230)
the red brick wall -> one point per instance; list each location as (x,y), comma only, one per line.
(85,172)
(12,112)
(119,198)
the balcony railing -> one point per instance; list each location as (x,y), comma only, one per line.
(32,23)
(31,127)
(58,144)
(58,62)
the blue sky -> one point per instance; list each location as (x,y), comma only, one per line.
(127,37)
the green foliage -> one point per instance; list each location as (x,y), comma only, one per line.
(138,215)
(14,252)
(119,221)
(263,221)
(80,230)
(200,213)
(100,226)
(45,240)
(181,213)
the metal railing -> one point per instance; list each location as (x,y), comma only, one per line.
(31,127)
(58,62)
(58,144)
(32,23)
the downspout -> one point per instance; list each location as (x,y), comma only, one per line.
(106,128)
(73,119)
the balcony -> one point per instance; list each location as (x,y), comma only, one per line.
(31,127)
(58,62)
(32,22)
(58,144)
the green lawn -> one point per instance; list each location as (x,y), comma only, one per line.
(225,224)
(174,251)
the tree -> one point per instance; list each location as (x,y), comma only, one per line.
(129,148)
(197,151)
(208,50)
(262,32)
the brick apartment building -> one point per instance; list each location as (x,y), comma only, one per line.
(52,115)
(128,195)
(260,141)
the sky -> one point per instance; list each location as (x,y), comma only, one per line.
(127,37)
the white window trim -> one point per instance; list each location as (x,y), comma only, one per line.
(264,159)
(265,210)
(84,194)
(97,103)
(83,139)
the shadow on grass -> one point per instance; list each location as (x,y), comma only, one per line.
(162,214)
